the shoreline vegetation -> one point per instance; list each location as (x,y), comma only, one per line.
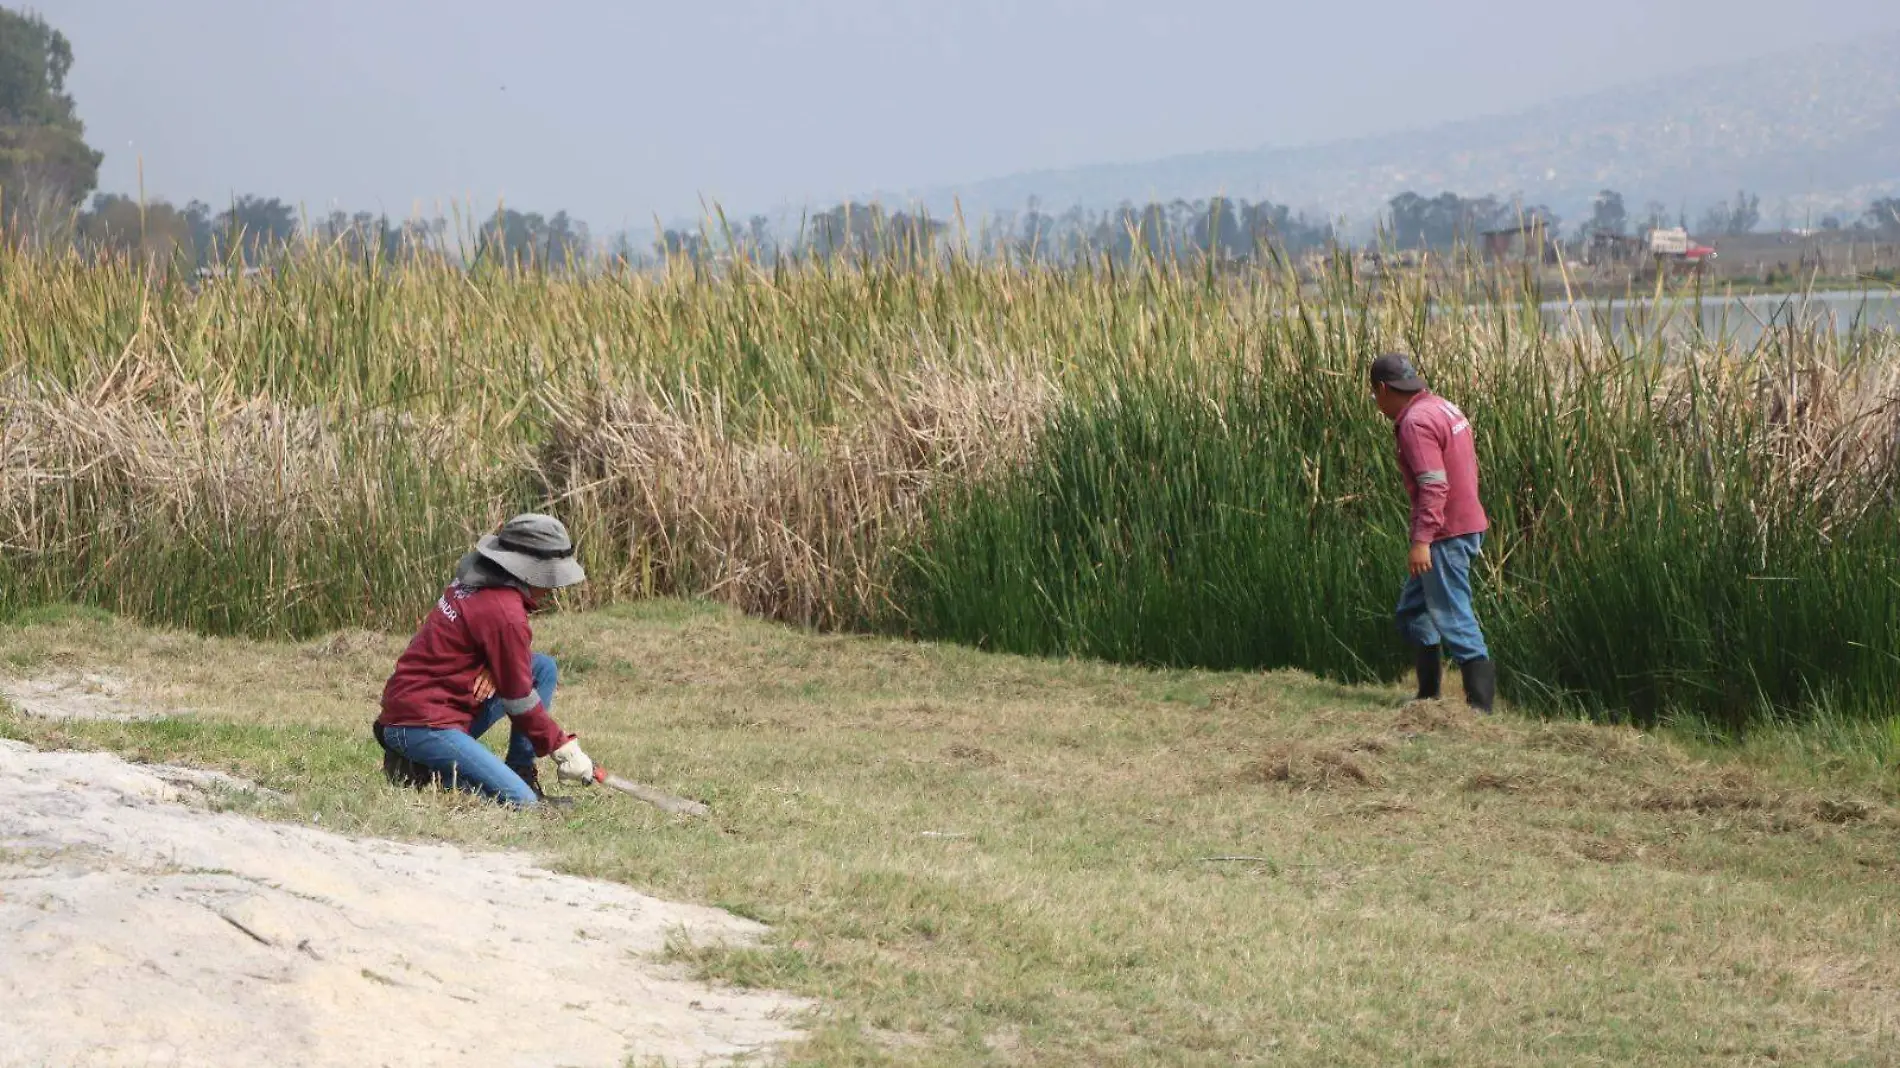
(1150,463)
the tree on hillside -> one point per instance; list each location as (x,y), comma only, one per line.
(757,240)
(1883,217)
(156,231)
(868,232)
(1035,234)
(1411,219)
(253,226)
(1227,229)
(626,253)
(1444,220)
(46,167)
(367,236)
(1270,225)
(1153,231)
(1216,231)
(527,239)
(1131,228)
(198,214)
(1740,217)
(688,245)
(1607,214)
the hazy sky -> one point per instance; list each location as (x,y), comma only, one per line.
(616,109)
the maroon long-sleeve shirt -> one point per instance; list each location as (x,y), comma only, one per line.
(472,634)
(1440,465)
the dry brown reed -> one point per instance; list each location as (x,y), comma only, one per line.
(672,501)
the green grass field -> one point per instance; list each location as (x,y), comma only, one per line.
(972,858)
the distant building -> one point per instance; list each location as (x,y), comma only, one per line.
(1527,241)
(1605,246)
(1673,248)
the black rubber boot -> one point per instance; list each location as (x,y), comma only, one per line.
(1431,672)
(1481,684)
(400,770)
(532,777)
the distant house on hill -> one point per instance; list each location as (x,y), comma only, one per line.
(1526,241)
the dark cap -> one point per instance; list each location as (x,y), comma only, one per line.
(1395,370)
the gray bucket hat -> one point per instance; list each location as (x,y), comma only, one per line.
(534,548)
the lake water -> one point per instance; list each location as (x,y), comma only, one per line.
(1742,319)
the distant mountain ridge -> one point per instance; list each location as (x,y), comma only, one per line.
(1811,132)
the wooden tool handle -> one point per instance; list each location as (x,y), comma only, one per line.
(657,798)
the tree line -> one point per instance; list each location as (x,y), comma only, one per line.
(48,174)
(1220,227)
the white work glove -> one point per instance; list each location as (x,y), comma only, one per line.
(572,765)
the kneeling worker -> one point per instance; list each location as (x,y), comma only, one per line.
(472,663)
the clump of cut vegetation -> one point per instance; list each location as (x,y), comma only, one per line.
(1304,766)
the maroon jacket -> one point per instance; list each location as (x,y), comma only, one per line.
(1440,465)
(473,637)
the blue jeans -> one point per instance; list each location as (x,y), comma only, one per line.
(1435,608)
(463,762)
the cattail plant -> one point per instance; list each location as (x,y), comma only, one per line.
(1144,461)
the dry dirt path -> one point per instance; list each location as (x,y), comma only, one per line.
(139,927)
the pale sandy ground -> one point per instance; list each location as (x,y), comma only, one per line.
(73,695)
(138,927)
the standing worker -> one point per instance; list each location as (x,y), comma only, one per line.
(1440,466)
(472,663)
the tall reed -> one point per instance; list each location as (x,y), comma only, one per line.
(1141,462)
(1690,529)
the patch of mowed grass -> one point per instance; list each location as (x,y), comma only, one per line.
(978,859)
